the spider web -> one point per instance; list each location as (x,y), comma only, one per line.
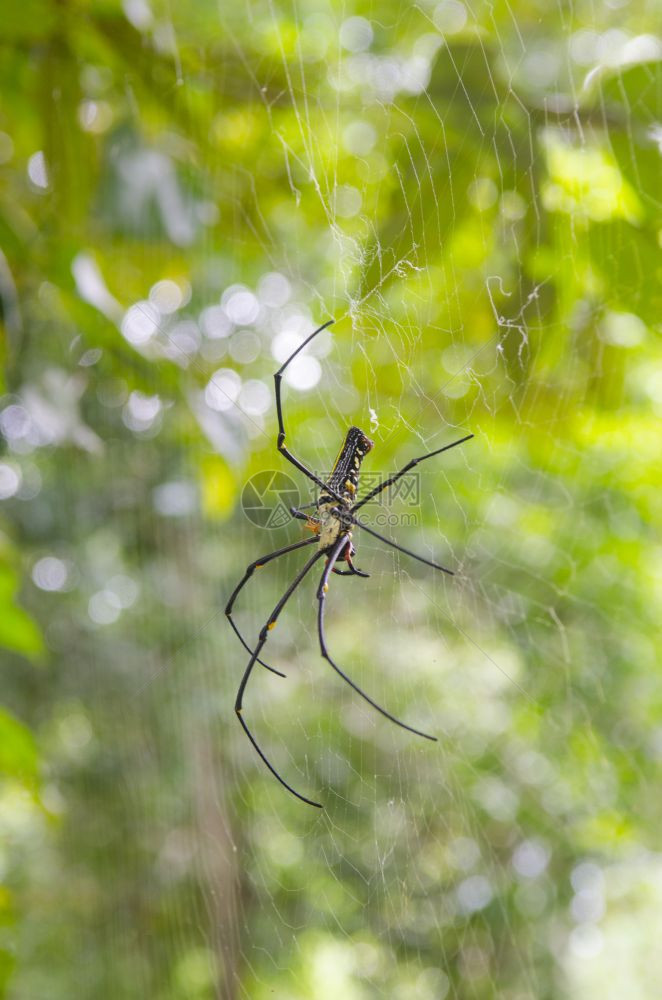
(430,176)
(469,193)
(427,182)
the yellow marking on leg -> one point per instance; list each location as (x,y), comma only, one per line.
(326,587)
(271,625)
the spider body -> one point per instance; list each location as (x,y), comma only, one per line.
(335,514)
(331,519)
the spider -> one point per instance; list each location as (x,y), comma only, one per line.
(334,517)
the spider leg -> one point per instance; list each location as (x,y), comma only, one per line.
(321,597)
(281,427)
(401,548)
(242,583)
(352,571)
(410,465)
(298,514)
(264,634)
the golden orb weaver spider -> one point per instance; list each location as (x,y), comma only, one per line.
(332,523)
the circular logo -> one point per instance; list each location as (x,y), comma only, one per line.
(267,497)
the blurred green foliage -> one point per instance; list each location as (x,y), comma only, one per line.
(474,195)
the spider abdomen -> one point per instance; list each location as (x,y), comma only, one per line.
(344,478)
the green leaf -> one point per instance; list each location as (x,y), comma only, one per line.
(28,20)
(627,257)
(18,631)
(18,753)
(638,91)
(635,95)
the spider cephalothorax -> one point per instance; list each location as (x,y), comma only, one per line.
(332,521)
